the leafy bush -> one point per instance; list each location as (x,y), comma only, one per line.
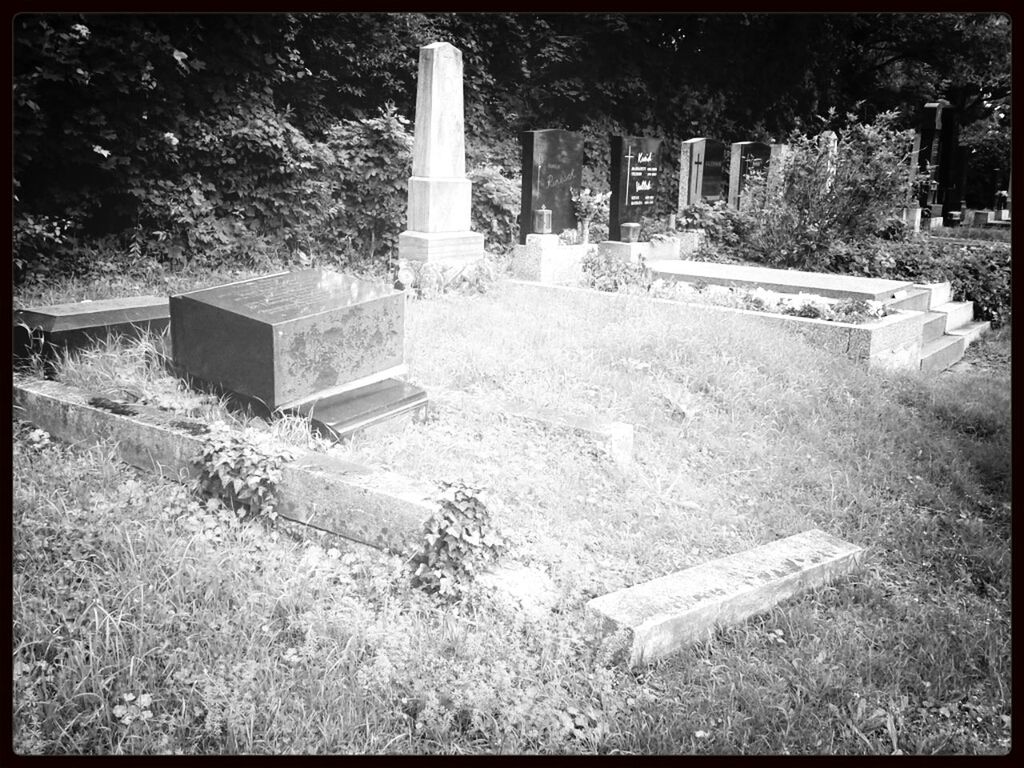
(607,273)
(819,193)
(723,226)
(978,272)
(495,208)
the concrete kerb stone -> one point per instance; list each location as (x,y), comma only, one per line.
(617,437)
(367,505)
(659,617)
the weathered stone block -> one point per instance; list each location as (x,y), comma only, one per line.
(290,337)
(669,613)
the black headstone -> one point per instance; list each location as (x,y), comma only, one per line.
(747,156)
(552,171)
(940,167)
(636,170)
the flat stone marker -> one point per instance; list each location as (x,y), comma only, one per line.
(343,415)
(288,338)
(669,613)
(80,324)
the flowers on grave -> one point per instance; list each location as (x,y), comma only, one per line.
(587,204)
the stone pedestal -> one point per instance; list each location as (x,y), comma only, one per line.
(439,192)
(913,219)
(629,252)
(546,260)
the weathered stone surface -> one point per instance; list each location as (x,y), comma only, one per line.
(669,613)
(289,337)
(628,252)
(80,324)
(439,192)
(368,505)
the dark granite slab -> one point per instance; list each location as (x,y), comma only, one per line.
(289,336)
(48,329)
(552,169)
(343,415)
(636,172)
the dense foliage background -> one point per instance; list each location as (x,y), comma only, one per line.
(149,140)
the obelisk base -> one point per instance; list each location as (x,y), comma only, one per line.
(442,247)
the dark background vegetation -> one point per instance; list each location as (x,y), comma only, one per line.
(180,139)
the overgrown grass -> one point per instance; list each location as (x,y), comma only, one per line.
(247,640)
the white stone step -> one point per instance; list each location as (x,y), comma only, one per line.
(942,293)
(941,353)
(959,313)
(972,331)
(934,326)
(669,613)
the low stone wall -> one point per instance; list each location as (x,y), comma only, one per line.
(892,342)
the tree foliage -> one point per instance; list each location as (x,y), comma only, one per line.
(183,136)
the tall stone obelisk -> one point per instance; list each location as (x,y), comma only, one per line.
(439,192)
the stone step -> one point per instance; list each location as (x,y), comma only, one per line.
(972,331)
(941,293)
(916,298)
(959,313)
(934,326)
(938,355)
(669,613)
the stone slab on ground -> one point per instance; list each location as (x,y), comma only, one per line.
(667,614)
(617,437)
(83,323)
(364,504)
(785,280)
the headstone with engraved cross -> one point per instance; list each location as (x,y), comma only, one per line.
(636,169)
(700,171)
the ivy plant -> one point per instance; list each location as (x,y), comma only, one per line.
(241,474)
(459,540)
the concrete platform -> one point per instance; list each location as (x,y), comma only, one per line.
(934,326)
(667,614)
(783,280)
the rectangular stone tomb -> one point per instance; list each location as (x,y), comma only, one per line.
(290,337)
(667,614)
(341,416)
(45,330)
(552,169)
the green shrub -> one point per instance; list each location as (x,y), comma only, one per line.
(723,226)
(978,272)
(607,273)
(818,194)
(495,207)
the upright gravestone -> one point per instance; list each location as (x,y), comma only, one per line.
(439,192)
(938,169)
(552,171)
(325,344)
(746,157)
(636,169)
(701,177)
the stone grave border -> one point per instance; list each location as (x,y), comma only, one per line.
(892,342)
